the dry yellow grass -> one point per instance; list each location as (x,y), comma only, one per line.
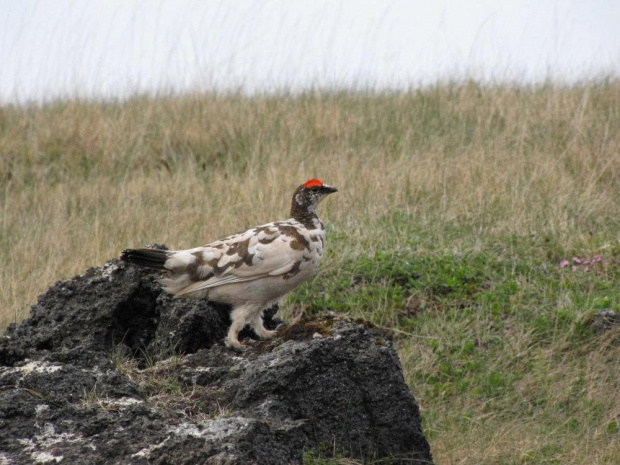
(80,181)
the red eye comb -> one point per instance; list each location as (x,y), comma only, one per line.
(313,183)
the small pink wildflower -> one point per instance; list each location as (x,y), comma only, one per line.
(594,264)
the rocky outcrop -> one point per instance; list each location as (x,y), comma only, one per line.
(109,370)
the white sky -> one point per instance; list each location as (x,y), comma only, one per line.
(112,48)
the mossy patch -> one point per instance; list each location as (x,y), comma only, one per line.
(306,328)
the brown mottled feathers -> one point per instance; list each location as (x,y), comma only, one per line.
(274,249)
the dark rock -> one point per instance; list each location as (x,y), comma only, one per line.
(371,414)
(187,325)
(103,307)
(94,376)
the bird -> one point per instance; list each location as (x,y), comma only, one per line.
(250,270)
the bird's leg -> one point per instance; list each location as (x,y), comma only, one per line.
(239,319)
(259,327)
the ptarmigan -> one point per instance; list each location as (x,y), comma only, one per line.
(250,270)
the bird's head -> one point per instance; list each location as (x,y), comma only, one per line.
(308,196)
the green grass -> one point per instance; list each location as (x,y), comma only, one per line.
(456,205)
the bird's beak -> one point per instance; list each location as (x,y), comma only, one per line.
(328,189)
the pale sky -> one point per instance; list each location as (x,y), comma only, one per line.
(98,48)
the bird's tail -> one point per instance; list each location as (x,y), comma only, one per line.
(148,258)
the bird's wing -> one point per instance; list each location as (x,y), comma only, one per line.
(268,250)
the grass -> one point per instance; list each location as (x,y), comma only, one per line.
(457,205)
(158,384)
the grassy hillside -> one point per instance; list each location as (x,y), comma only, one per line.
(458,205)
